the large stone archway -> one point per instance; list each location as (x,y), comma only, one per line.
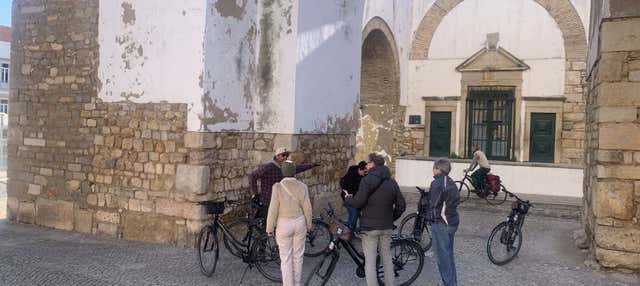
(575,46)
(380,113)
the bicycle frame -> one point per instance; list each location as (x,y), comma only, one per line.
(217,224)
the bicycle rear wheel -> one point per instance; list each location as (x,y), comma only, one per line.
(504,243)
(317,241)
(208,250)
(407,229)
(267,258)
(464,190)
(408,260)
(322,272)
(497,198)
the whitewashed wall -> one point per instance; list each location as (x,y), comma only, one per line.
(522,179)
(329,45)
(463,32)
(230,68)
(152,51)
(5,50)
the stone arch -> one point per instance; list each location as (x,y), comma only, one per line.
(575,47)
(562,11)
(380,110)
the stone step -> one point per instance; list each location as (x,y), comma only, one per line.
(546,206)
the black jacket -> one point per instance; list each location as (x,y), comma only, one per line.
(449,198)
(351,181)
(381,209)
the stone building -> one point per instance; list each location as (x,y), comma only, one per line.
(612,171)
(125,113)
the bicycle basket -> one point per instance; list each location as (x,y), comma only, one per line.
(212,207)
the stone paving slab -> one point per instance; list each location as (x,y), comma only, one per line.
(38,256)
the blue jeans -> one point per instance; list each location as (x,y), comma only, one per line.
(442,236)
(353,217)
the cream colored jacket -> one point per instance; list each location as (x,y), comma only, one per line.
(292,204)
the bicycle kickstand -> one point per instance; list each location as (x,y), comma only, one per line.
(244,273)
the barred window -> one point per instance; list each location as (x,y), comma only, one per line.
(490,113)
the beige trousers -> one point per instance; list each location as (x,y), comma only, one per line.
(291,235)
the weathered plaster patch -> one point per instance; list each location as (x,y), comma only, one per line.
(266,63)
(128,14)
(213,114)
(231,8)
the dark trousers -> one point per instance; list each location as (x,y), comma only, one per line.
(479,178)
(442,236)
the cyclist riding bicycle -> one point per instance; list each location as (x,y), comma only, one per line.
(479,177)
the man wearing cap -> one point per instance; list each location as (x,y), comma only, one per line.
(269,174)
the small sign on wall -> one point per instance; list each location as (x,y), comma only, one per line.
(415,119)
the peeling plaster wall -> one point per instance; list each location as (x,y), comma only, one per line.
(230,65)
(276,66)
(152,51)
(328,65)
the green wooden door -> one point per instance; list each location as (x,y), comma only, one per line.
(543,137)
(440,134)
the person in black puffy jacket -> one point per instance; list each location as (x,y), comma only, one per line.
(350,183)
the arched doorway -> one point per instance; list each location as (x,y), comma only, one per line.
(379,92)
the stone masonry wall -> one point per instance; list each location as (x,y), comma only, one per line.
(123,169)
(612,171)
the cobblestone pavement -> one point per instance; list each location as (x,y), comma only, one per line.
(37,256)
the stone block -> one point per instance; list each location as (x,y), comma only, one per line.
(83,221)
(617,114)
(108,228)
(621,136)
(12,208)
(614,238)
(192,179)
(614,199)
(616,36)
(613,259)
(618,94)
(35,142)
(26,212)
(634,76)
(637,189)
(54,213)
(186,210)
(72,185)
(610,66)
(288,141)
(104,216)
(619,171)
(149,228)
(34,189)
(200,140)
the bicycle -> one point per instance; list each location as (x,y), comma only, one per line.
(317,241)
(258,250)
(404,251)
(493,198)
(416,226)
(507,235)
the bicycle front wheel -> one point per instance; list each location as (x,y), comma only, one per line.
(464,190)
(267,258)
(322,272)
(408,260)
(317,241)
(208,250)
(408,229)
(504,243)
(497,198)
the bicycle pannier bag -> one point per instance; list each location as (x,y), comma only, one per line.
(493,182)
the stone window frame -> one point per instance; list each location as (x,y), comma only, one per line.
(542,105)
(441,104)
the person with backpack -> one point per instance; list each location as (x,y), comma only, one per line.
(290,211)
(350,183)
(443,210)
(381,203)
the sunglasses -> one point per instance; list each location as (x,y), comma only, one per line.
(286,155)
